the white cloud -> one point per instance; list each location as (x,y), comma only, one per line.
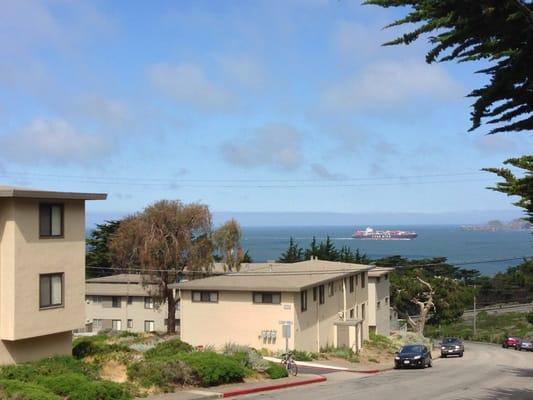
(188,84)
(243,69)
(273,145)
(499,144)
(103,109)
(53,142)
(322,172)
(389,84)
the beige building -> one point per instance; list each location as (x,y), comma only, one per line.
(324,303)
(42,271)
(379,311)
(122,303)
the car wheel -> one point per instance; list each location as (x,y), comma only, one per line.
(504,346)
(430,363)
(460,354)
(443,355)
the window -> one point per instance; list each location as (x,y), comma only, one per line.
(362,311)
(115,302)
(116,325)
(149,302)
(50,290)
(205,296)
(387,300)
(97,299)
(315,293)
(352,286)
(356,280)
(130,300)
(321,297)
(352,313)
(149,326)
(303,300)
(97,324)
(267,298)
(51,220)
(379,305)
(363,280)
(130,324)
(378,279)
(330,289)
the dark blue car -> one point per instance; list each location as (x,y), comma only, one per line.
(413,356)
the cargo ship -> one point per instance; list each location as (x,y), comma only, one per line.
(371,234)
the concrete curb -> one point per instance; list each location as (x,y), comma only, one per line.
(331,367)
(242,392)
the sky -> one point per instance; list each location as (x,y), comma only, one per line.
(248,106)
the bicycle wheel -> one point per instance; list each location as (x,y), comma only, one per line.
(292,368)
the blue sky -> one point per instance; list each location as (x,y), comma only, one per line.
(243,105)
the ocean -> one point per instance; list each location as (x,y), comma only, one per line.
(267,243)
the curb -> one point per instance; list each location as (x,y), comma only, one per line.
(242,392)
(331,368)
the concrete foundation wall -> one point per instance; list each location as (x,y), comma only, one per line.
(19,351)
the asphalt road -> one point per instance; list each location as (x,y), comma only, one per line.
(469,314)
(485,372)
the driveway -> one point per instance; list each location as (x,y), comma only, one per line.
(486,372)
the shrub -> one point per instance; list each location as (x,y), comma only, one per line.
(161,373)
(213,369)
(529,317)
(299,355)
(53,366)
(276,371)
(15,389)
(168,348)
(79,387)
(84,348)
(246,356)
(341,352)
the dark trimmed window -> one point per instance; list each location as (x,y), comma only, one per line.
(267,297)
(321,297)
(204,296)
(50,290)
(352,283)
(363,280)
(303,300)
(315,290)
(50,220)
(115,301)
(149,303)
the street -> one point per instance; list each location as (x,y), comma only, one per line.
(485,372)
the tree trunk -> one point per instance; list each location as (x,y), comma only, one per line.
(171,305)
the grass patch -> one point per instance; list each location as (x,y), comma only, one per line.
(345,353)
(58,377)
(170,348)
(304,355)
(491,328)
(276,371)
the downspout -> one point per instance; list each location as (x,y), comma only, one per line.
(344,299)
(318,322)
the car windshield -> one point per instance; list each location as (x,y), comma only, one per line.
(412,349)
(450,341)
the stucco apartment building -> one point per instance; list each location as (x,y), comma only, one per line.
(122,303)
(42,271)
(379,311)
(325,303)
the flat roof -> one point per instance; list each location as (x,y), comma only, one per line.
(17,192)
(117,289)
(279,277)
(377,272)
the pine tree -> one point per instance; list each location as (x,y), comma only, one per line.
(312,250)
(293,254)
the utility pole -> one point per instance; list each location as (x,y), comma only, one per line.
(475,314)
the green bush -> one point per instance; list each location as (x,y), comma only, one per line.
(213,369)
(246,356)
(162,373)
(276,371)
(303,355)
(169,348)
(15,389)
(83,348)
(79,387)
(53,366)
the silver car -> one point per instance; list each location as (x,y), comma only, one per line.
(524,344)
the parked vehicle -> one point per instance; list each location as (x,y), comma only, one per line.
(510,341)
(524,344)
(413,356)
(451,346)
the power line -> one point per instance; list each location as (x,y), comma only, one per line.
(315,272)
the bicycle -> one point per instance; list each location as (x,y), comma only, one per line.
(287,361)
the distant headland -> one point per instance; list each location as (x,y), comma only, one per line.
(497,226)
